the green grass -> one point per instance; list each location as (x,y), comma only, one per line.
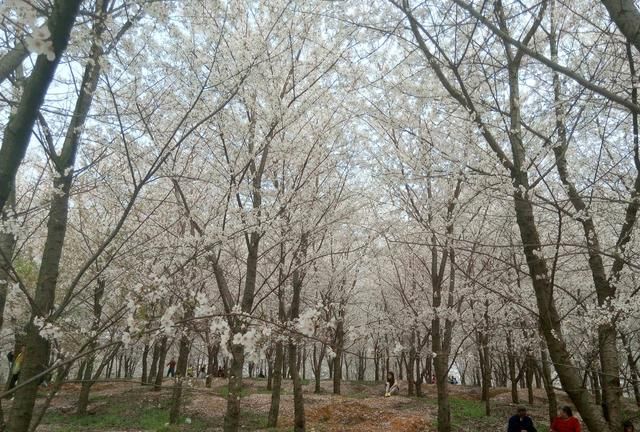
(469,415)
(224,391)
(466,409)
(125,415)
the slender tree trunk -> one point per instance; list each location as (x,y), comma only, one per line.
(298,400)
(512,370)
(17,134)
(529,377)
(552,402)
(16,138)
(181,373)
(410,361)
(80,372)
(277,386)
(83,397)
(337,361)
(153,370)
(270,370)
(633,368)
(212,363)
(294,365)
(145,355)
(232,416)
(597,391)
(163,348)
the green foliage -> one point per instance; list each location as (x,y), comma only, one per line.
(122,416)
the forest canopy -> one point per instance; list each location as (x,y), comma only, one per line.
(440,188)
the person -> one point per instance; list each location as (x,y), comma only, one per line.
(521,422)
(221,373)
(17,367)
(202,373)
(172,368)
(392,387)
(628,426)
(565,422)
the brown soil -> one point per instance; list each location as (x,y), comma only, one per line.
(358,416)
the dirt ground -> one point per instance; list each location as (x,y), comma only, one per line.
(128,406)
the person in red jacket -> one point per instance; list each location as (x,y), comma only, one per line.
(565,422)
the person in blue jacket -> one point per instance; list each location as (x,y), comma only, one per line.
(521,422)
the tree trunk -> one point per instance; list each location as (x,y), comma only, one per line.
(595,383)
(232,416)
(512,370)
(552,402)
(627,18)
(212,363)
(145,355)
(157,384)
(277,386)
(633,368)
(529,377)
(337,361)
(270,371)
(181,374)
(16,138)
(80,373)
(153,370)
(17,134)
(298,400)
(294,365)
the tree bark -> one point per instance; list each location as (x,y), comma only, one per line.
(337,361)
(19,128)
(181,374)
(627,18)
(157,383)
(145,355)
(153,370)
(277,385)
(12,60)
(552,401)
(232,416)
(512,370)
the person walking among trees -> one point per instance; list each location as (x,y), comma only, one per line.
(391,387)
(521,422)
(565,422)
(171,371)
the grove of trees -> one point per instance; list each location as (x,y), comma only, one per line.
(321,189)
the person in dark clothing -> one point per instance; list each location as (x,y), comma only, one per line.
(391,388)
(171,371)
(628,426)
(521,422)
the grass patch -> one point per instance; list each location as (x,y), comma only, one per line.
(122,415)
(466,409)
(224,391)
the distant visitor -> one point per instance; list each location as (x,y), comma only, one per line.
(171,371)
(565,422)
(521,422)
(391,387)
